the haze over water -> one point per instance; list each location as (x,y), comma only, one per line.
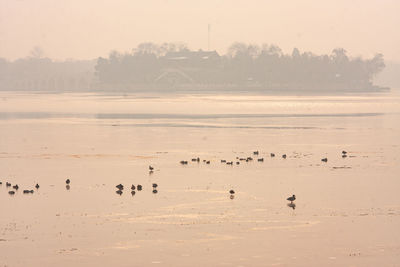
(346,212)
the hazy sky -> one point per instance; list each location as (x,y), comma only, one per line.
(83,29)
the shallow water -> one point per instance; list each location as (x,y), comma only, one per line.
(347,212)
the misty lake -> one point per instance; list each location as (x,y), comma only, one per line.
(346,211)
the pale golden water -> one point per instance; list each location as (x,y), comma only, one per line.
(347,210)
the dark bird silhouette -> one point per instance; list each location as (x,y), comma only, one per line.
(37,186)
(344,152)
(16,187)
(272,155)
(133,187)
(260,160)
(120,187)
(231,192)
(68,181)
(291,199)
(155,185)
(151,168)
(8,184)
(139,187)
(284,156)
(324,159)
(11,192)
(255,153)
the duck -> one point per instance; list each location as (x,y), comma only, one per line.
(37,186)
(139,187)
(8,184)
(68,181)
(155,185)
(260,160)
(231,191)
(11,192)
(255,153)
(133,187)
(324,159)
(272,155)
(291,199)
(151,168)
(16,187)
(120,187)
(284,156)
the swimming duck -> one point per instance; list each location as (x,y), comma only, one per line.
(291,199)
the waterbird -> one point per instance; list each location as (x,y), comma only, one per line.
(291,199)
(324,159)
(8,184)
(237,162)
(133,187)
(183,162)
(67,181)
(344,152)
(155,185)
(151,168)
(11,192)
(255,153)
(231,192)
(28,191)
(223,161)
(272,155)
(207,162)
(120,187)
(1,183)
(260,160)
(284,156)
(16,187)
(37,186)
(139,187)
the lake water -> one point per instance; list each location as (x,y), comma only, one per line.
(347,212)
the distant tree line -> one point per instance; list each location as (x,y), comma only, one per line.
(39,73)
(173,65)
(250,65)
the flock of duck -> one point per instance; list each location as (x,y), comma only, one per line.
(139,187)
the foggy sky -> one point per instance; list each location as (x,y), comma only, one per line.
(91,28)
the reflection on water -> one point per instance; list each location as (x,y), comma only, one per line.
(291,205)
